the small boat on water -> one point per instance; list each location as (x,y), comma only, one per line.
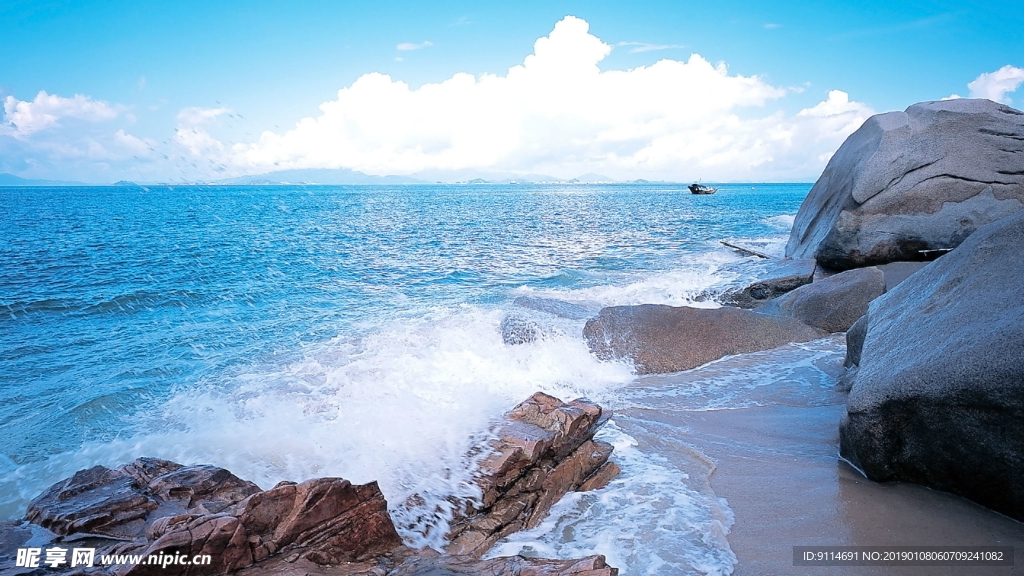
(699,189)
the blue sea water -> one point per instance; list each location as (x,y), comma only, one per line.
(287,332)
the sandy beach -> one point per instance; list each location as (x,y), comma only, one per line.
(778,467)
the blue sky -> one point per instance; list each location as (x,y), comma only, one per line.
(255,67)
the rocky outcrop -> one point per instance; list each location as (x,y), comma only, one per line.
(780,278)
(155,507)
(328,526)
(658,338)
(938,393)
(543,450)
(832,304)
(907,182)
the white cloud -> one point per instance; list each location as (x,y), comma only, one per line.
(558,113)
(191,133)
(22,117)
(407,46)
(997,85)
(772,26)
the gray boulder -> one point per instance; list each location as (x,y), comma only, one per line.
(834,303)
(658,338)
(781,277)
(923,179)
(938,394)
(518,330)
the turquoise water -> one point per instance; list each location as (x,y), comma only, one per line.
(287,332)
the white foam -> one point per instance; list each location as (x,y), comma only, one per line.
(678,287)
(649,520)
(783,222)
(402,406)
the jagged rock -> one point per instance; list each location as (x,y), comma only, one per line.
(658,338)
(832,304)
(924,179)
(601,477)
(328,520)
(157,506)
(505,566)
(518,330)
(938,393)
(94,501)
(427,562)
(325,526)
(544,450)
(557,307)
(781,277)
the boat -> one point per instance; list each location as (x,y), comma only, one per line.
(699,189)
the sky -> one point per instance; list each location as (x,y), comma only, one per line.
(726,91)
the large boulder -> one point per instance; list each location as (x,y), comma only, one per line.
(938,393)
(834,303)
(659,338)
(913,181)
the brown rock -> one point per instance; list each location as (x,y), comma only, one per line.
(96,501)
(544,450)
(601,478)
(658,338)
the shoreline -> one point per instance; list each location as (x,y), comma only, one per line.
(778,467)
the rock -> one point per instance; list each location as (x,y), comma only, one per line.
(658,338)
(159,507)
(505,566)
(543,450)
(924,179)
(938,395)
(326,526)
(896,272)
(518,330)
(781,277)
(855,341)
(427,562)
(600,478)
(94,501)
(557,307)
(832,304)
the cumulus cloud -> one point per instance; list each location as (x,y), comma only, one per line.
(22,117)
(407,46)
(997,85)
(192,134)
(559,113)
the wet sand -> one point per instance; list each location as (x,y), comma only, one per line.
(777,465)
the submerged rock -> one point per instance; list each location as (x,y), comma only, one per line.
(658,338)
(518,330)
(907,182)
(558,308)
(832,304)
(780,278)
(938,393)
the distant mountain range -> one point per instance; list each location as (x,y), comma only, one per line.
(12,180)
(343,176)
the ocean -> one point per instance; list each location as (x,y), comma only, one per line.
(290,332)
